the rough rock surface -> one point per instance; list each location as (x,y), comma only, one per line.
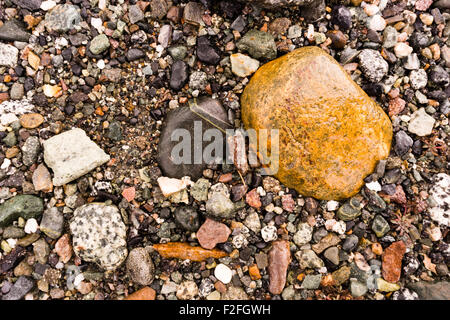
(279,259)
(99,235)
(72,154)
(392,261)
(331,133)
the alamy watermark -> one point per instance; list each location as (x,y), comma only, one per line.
(263,147)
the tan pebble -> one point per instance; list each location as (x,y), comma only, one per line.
(31,120)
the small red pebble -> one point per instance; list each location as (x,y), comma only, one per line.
(129,193)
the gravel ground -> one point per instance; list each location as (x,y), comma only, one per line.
(87,209)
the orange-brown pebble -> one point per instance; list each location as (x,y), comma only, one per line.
(145,293)
(31,120)
(377,249)
(254,272)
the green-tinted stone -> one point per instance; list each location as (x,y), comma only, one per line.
(25,206)
(350,210)
(380,226)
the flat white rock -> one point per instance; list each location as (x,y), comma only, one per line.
(242,65)
(421,123)
(71,155)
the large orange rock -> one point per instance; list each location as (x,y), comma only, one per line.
(331,132)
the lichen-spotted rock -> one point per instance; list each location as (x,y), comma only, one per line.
(331,134)
(99,235)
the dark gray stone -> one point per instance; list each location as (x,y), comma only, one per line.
(187,218)
(431,291)
(179,75)
(186,118)
(14,30)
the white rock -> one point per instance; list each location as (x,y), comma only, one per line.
(169,287)
(11,242)
(97,23)
(252,222)
(371,9)
(101,64)
(223,273)
(31,226)
(439,209)
(332,205)
(6,163)
(8,118)
(8,55)
(421,123)
(336,226)
(170,186)
(72,154)
(374,186)
(48,5)
(242,65)
(402,50)
(376,23)
(269,233)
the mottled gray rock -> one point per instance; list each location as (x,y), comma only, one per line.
(20,288)
(99,235)
(30,150)
(431,291)
(187,218)
(140,266)
(311,281)
(72,154)
(439,209)
(99,44)
(308,259)
(193,13)
(14,30)
(350,210)
(62,18)
(199,191)
(373,65)
(135,14)
(8,55)
(52,223)
(303,234)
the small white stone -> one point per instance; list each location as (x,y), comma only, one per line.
(278,210)
(31,226)
(48,5)
(170,186)
(223,273)
(405,118)
(97,23)
(101,64)
(78,279)
(12,242)
(269,233)
(402,50)
(332,205)
(371,9)
(421,123)
(242,65)
(374,186)
(6,163)
(8,118)
(376,23)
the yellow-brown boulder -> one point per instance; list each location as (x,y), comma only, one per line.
(331,133)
